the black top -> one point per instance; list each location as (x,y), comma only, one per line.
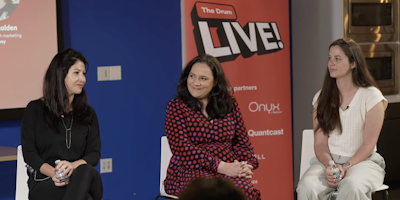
(41,144)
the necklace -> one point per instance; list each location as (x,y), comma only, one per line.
(67,132)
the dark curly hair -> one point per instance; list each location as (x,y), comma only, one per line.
(220,100)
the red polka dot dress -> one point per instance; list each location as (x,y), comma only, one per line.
(198,146)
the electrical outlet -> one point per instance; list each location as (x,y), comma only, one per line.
(103,73)
(106,165)
(115,73)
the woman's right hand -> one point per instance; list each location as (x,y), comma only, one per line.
(330,178)
(58,183)
(246,170)
(49,171)
(230,169)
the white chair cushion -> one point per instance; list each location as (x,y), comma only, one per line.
(166,155)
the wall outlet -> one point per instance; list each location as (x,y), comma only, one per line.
(115,73)
(106,165)
(109,73)
(103,73)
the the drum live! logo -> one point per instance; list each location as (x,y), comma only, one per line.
(217,33)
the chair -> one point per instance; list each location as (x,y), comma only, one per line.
(166,155)
(22,190)
(307,153)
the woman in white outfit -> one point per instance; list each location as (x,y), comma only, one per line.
(348,114)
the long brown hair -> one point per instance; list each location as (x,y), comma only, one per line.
(329,98)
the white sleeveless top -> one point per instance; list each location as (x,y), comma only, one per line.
(353,121)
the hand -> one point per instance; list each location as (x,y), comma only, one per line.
(332,183)
(343,170)
(58,183)
(246,170)
(330,178)
(65,167)
(230,169)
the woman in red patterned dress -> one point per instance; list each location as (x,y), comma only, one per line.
(206,132)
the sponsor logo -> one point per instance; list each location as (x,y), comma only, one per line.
(271,108)
(267,132)
(259,156)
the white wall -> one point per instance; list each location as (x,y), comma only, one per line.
(315,24)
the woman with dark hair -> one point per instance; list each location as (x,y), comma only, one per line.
(348,115)
(206,132)
(212,189)
(60,135)
(7,8)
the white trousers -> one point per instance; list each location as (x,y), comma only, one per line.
(357,184)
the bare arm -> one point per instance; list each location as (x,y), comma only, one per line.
(320,143)
(322,151)
(372,129)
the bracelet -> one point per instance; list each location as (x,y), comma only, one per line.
(348,164)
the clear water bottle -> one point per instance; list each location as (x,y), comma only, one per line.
(335,170)
(59,175)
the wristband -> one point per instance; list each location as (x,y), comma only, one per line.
(348,164)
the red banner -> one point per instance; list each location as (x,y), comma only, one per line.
(251,40)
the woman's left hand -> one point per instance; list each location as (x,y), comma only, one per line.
(58,183)
(343,169)
(66,167)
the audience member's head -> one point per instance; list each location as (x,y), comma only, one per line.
(212,189)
